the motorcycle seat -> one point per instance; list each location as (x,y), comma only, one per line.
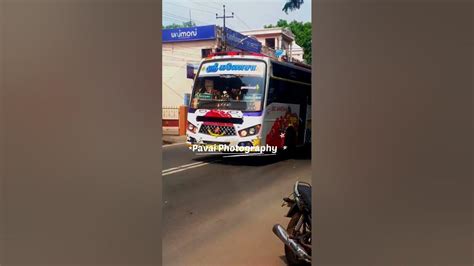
(305,192)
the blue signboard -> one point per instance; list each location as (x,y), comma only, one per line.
(189,34)
(280,53)
(242,42)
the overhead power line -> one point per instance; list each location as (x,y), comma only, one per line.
(243,22)
(201,4)
(174,15)
(165,13)
(216,3)
(175,92)
(177,20)
(180,20)
(194,9)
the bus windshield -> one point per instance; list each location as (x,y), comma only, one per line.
(230,85)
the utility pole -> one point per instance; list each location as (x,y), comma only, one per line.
(223,30)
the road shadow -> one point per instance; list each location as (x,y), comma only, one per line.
(303,153)
(283,258)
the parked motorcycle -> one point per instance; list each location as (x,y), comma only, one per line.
(297,236)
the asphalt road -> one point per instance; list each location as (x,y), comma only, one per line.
(220,211)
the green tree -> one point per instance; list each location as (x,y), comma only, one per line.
(302,32)
(183,25)
(291,5)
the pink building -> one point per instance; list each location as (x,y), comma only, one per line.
(274,39)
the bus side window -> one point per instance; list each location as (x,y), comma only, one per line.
(274,93)
(282,91)
(287,92)
(278,91)
(271,93)
(308,93)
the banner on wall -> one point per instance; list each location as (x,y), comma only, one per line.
(197,33)
(242,42)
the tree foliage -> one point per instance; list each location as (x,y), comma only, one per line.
(291,5)
(302,32)
(183,25)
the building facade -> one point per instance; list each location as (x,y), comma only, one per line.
(274,39)
(297,52)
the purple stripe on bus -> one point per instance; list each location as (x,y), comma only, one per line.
(192,110)
(252,113)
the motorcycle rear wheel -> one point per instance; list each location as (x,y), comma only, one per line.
(291,258)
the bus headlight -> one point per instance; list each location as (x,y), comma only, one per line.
(250,131)
(192,127)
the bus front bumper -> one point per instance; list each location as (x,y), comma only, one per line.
(203,139)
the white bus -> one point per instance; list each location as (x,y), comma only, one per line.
(249,99)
